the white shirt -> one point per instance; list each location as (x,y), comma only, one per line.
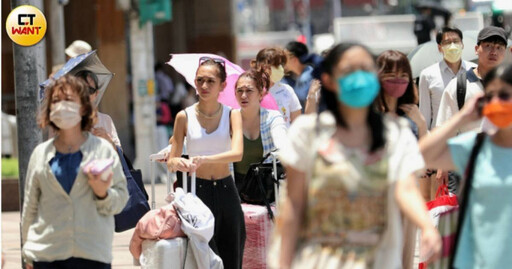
(449,106)
(433,81)
(105,121)
(286,100)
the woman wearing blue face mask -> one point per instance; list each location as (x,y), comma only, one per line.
(351,174)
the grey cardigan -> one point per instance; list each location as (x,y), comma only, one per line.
(56,225)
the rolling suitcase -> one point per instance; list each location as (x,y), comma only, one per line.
(258,227)
(166,253)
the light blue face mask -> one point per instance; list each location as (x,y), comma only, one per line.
(358,89)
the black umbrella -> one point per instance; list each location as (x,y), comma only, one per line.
(437,8)
(87,61)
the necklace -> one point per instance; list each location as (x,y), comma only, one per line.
(209,116)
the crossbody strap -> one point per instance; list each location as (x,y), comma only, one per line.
(461,89)
(465,189)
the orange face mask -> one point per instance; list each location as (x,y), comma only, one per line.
(499,113)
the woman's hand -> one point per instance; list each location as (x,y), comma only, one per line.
(471,111)
(413,112)
(99,186)
(197,161)
(430,245)
(181,164)
(314,90)
(101,132)
(441,177)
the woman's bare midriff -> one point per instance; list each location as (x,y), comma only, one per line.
(213,171)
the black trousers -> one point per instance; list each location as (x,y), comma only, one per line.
(221,197)
(72,263)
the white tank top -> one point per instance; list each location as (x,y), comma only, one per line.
(199,143)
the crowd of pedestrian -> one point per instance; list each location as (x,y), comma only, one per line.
(372,145)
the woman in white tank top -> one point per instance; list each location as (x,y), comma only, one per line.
(214,139)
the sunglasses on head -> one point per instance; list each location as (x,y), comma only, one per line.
(215,60)
(502,95)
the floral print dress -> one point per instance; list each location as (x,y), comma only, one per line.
(346,209)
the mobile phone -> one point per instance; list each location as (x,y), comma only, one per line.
(100,167)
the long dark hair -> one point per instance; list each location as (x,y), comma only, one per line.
(374,120)
(391,60)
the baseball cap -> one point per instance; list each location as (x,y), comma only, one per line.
(491,31)
(77,47)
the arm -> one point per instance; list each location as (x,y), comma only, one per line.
(31,201)
(113,134)
(109,133)
(413,207)
(174,160)
(425,101)
(434,147)
(278,131)
(295,107)
(312,99)
(292,214)
(414,114)
(294,115)
(237,146)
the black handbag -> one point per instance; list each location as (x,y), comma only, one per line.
(258,185)
(137,205)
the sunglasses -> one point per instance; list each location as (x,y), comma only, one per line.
(215,60)
(502,95)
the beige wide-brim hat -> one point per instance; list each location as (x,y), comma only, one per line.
(78,47)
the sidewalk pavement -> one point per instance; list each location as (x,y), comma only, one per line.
(122,257)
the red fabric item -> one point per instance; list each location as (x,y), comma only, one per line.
(162,223)
(443,203)
(258,227)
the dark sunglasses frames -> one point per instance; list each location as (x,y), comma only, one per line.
(215,60)
(502,95)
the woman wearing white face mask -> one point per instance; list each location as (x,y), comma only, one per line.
(68,214)
(272,60)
